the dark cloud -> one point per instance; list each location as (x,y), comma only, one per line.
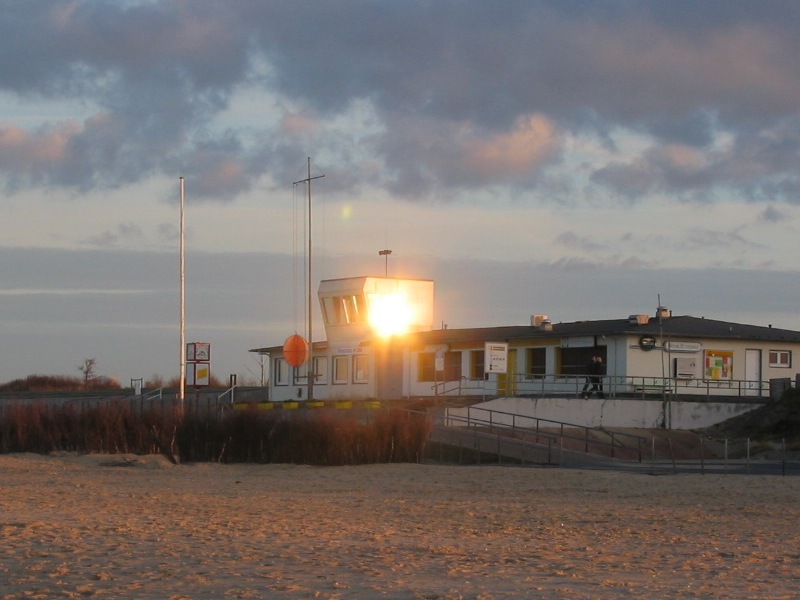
(572,240)
(465,95)
(109,239)
(771,214)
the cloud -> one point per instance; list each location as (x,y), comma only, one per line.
(464,95)
(771,214)
(705,238)
(109,239)
(756,167)
(573,241)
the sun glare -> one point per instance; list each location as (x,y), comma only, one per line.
(389,314)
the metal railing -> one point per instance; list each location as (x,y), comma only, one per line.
(631,386)
(518,436)
(447,388)
(570,436)
(230,394)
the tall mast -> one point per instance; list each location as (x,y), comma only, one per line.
(310,368)
(182,388)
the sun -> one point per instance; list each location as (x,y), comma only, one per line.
(389,314)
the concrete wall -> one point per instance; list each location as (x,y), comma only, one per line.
(610,412)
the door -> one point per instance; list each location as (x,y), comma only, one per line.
(507,383)
(752,372)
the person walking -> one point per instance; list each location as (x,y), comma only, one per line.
(590,370)
(597,380)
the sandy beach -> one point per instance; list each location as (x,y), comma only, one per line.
(140,527)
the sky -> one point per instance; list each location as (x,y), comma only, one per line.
(579,159)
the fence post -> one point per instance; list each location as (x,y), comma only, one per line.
(725,468)
(702,457)
(653,453)
(783,456)
(748,455)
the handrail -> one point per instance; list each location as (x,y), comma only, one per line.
(539,441)
(503,422)
(229,391)
(159,393)
(530,384)
(440,387)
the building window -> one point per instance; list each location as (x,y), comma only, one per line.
(535,360)
(426,367)
(780,358)
(301,374)
(577,361)
(320,370)
(281,376)
(477,365)
(340,371)
(331,310)
(354,308)
(452,366)
(360,368)
(344,310)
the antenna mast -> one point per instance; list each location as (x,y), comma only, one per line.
(310,369)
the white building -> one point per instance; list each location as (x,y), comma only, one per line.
(381,345)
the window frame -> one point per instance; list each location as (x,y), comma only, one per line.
(360,371)
(534,368)
(341,363)
(477,364)
(320,370)
(426,367)
(777,363)
(282,374)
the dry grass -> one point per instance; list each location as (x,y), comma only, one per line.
(315,437)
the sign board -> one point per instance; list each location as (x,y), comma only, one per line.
(198,374)
(683,346)
(496,357)
(198,351)
(586,341)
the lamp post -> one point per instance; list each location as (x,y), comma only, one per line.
(385,254)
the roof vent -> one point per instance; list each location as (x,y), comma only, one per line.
(537,320)
(662,312)
(546,325)
(638,319)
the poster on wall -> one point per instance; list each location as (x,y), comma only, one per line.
(496,355)
(719,365)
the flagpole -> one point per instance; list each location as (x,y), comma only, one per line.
(182,389)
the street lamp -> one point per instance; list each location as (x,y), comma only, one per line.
(385,254)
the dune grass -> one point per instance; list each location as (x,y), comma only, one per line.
(316,437)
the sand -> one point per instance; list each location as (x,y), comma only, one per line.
(139,527)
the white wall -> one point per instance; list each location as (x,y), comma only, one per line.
(606,413)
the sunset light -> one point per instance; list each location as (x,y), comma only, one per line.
(389,314)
